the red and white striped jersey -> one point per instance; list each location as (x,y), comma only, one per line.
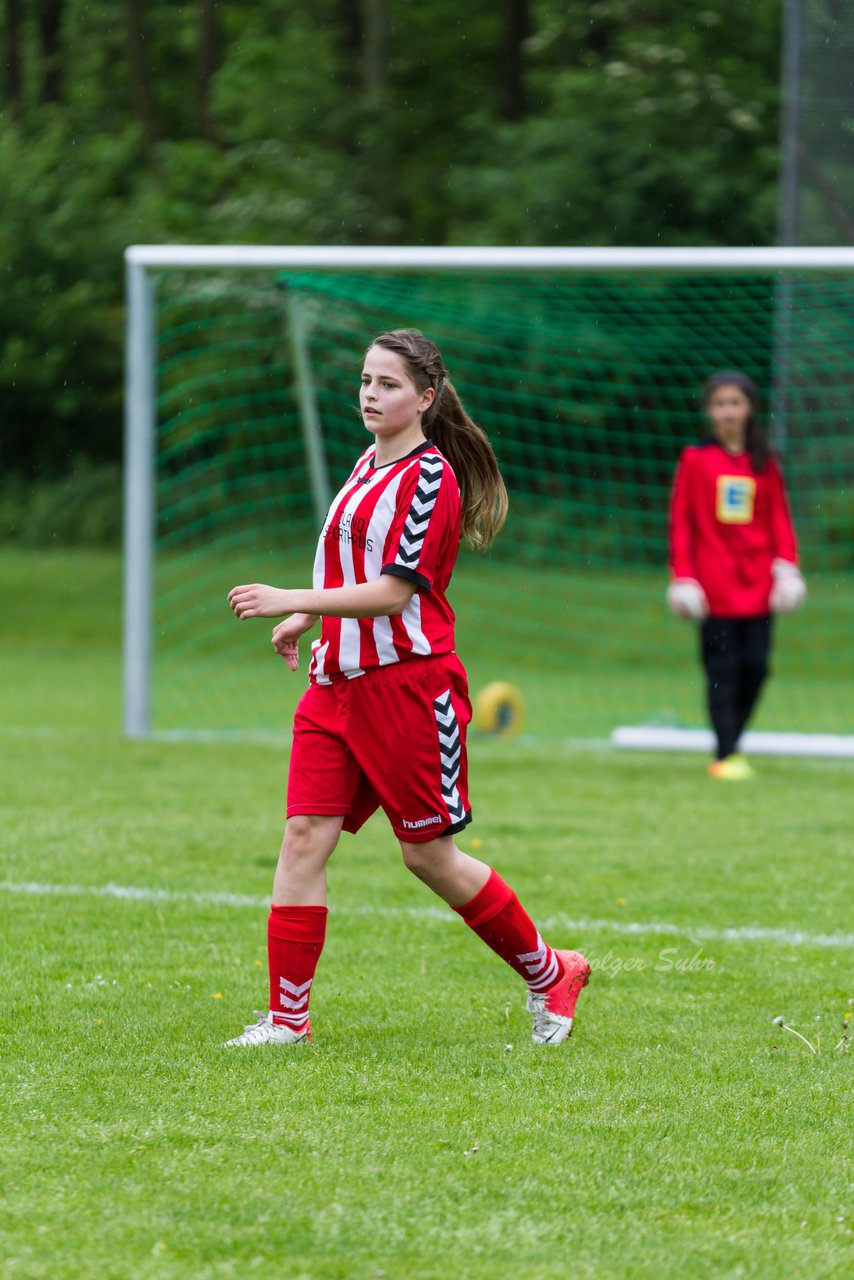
(402,519)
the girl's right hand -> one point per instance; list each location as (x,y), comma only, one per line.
(687,599)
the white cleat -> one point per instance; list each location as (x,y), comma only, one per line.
(265,1031)
(549,1028)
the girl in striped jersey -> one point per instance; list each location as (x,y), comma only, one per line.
(383,721)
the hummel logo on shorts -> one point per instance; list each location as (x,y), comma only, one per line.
(422,822)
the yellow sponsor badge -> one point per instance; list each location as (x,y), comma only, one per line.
(736,495)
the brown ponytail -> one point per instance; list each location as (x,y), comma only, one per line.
(462,441)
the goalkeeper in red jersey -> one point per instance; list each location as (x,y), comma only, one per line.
(383,721)
(733,558)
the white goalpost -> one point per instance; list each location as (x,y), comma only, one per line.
(148,266)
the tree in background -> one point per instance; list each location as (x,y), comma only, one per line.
(621,121)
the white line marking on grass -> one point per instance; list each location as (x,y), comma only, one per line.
(740,933)
(132,893)
(629,928)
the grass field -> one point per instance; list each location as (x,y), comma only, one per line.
(678,1134)
(589,649)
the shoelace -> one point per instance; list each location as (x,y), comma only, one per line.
(537,1006)
(253,1031)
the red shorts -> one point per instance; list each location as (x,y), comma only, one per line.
(394,737)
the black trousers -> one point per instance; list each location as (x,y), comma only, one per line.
(735,653)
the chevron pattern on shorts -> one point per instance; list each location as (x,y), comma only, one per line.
(420,510)
(450,751)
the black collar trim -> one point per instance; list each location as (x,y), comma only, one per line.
(419,448)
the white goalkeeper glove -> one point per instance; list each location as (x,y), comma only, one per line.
(687,599)
(789,590)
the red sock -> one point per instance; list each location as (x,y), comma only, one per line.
(295,937)
(497,917)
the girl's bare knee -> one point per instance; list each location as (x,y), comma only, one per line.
(429,858)
(413,857)
(309,837)
(301,829)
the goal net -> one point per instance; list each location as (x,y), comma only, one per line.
(585,369)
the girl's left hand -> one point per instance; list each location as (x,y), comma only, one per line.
(789,590)
(259,601)
(288,649)
(286,637)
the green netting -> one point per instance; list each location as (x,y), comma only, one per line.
(588,386)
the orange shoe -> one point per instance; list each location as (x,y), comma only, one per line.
(554,1009)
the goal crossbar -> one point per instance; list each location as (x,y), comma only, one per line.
(487,258)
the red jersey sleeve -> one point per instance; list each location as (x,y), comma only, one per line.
(426,524)
(682,563)
(782,529)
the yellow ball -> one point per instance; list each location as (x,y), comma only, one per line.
(499,709)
